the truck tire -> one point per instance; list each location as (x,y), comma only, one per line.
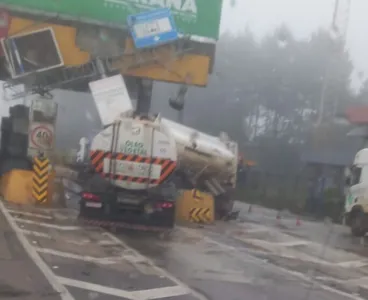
(358,224)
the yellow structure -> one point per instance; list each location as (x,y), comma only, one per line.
(195,206)
(64,35)
(191,69)
(16,187)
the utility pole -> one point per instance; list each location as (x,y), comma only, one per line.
(339,27)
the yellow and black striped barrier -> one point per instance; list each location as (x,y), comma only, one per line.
(200,215)
(196,207)
(40,178)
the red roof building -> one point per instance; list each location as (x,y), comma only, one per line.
(357,115)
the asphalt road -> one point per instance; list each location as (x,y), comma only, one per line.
(20,276)
(258,258)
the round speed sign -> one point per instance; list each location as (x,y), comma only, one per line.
(42,137)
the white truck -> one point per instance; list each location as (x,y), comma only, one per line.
(133,162)
(139,162)
(356,203)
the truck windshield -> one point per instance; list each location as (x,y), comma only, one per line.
(356,173)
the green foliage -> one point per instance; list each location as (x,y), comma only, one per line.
(267,92)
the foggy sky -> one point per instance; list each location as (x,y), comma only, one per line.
(302,17)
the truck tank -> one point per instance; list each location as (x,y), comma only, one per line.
(202,153)
(135,153)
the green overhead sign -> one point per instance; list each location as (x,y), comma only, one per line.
(193,17)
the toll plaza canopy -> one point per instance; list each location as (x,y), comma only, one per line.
(192,17)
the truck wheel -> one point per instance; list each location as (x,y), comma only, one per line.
(358,228)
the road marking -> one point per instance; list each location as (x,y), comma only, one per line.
(233,278)
(35,233)
(353,264)
(80,243)
(107,243)
(156,268)
(164,292)
(99,260)
(273,245)
(294,243)
(299,275)
(363,281)
(274,249)
(29,214)
(66,228)
(254,229)
(47,272)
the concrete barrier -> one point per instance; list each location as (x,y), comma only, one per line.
(195,206)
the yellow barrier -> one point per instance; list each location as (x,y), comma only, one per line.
(40,179)
(16,186)
(195,206)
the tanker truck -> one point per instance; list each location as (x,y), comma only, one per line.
(206,163)
(129,178)
(138,163)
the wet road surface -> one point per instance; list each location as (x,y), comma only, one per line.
(20,277)
(259,258)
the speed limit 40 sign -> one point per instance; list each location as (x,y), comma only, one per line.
(41,136)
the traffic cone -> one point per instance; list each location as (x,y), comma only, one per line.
(298,222)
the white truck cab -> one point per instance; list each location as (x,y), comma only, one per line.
(356,203)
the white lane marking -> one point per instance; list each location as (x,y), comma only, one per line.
(156,268)
(239,255)
(353,264)
(102,261)
(157,293)
(107,243)
(294,243)
(254,229)
(80,243)
(36,233)
(29,214)
(66,228)
(47,272)
(362,281)
(276,249)
(233,278)
(273,244)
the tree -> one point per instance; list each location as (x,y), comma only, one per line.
(271,89)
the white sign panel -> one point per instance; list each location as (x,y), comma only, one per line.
(133,169)
(46,106)
(111,98)
(41,136)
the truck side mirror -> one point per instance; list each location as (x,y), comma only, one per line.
(348,181)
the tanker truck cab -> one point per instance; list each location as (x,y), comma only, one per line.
(356,203)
